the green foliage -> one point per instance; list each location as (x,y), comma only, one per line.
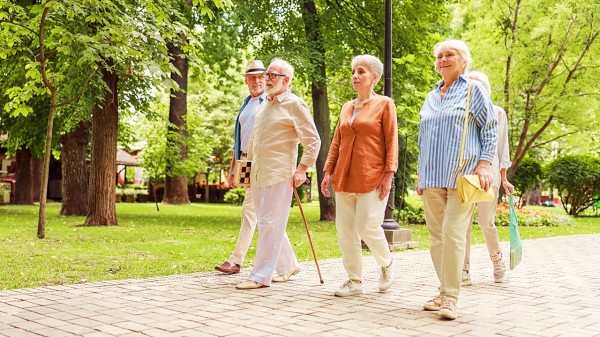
(235,196)
(540,58)
(577,179)
(410,215)
(531,218)
(528,176)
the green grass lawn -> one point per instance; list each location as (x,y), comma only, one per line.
(174,240)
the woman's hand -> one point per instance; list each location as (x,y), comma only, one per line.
(325,184)
(385,185)
(508,187)
(483,171)
(419,190)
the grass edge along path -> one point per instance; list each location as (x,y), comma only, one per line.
(174,240)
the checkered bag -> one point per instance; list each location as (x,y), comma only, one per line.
(241,176)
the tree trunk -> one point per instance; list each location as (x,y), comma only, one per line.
(75,170)
(312,28)
(103,167)
(24,178)
(176,182)
(37,171)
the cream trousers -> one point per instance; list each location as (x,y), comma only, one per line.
(486,214)
(247,229)
(447,222)
(273,251)
(360,216)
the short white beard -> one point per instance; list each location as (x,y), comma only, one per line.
(276,88)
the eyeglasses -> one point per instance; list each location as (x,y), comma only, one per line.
(273,75)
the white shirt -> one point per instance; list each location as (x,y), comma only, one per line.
(502,155)
(247,122)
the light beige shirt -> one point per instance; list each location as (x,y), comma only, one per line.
(502,155)
(279,126)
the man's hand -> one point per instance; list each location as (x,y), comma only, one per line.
(231,181)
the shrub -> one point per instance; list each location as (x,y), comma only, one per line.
(527,176)
(410,215)
(577,180)
(235,196)
(533,218)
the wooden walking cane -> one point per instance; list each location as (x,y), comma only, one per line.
(308,234)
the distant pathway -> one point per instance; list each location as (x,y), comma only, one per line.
(555,291)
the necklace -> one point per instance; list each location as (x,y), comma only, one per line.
(359,104)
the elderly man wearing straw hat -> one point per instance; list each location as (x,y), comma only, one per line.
(255,80)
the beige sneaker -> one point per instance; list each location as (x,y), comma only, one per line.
(466,279)
(499,268)
(448,309)
(433,304)
(386,277)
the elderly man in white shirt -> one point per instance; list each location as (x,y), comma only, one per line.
(283,122)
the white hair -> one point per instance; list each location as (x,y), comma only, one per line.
(373,64)
(286,67)
(481,77)
(457,45)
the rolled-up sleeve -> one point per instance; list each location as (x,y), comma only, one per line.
(503,149)
(390,134)
(485,118)
(307,133)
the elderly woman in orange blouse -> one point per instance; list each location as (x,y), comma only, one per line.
(360,165)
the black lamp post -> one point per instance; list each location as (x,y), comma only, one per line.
(388,221)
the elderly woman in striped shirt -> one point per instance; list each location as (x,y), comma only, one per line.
(440,132)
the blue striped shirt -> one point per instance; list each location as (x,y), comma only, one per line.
(440,133)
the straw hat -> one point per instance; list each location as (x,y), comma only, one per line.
(254,67)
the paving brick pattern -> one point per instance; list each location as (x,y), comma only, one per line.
(555,291)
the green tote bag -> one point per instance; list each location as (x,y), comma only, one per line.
(515,241)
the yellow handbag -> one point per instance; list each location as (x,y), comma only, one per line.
(468,187)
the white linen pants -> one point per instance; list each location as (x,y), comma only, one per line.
(447,222)
(274,251)
(486,214)
(360,216)
(247,229)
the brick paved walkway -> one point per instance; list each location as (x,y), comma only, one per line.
(555,291)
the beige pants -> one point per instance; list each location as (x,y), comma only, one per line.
(360,216)
(247,229)
(486,213)
(447,222)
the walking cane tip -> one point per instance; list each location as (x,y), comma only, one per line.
(322,281)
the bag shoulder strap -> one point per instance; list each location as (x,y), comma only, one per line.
(464,133)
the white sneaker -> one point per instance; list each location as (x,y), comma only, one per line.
(466,279)
(386,276)
(499,268)
(349,288)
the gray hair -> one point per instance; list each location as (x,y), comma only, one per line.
(373,63)
(481,77)
(457,45)
(285,66)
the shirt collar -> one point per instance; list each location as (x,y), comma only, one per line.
(281,96)
(462,78)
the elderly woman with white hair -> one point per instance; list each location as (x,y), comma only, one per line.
(440,138)
(360,165)
(486,210)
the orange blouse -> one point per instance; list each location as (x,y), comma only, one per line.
(362,152)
